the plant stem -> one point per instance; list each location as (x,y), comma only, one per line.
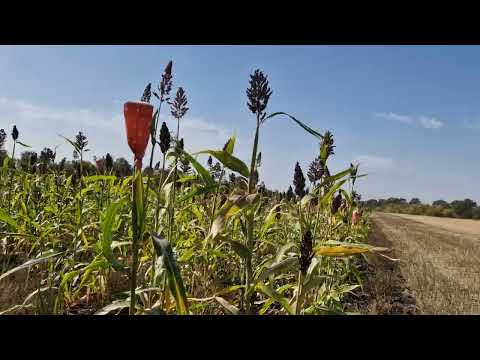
(250,221)
(11,177)
(298,304)
(137,181)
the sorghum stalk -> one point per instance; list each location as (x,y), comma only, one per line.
(258,95)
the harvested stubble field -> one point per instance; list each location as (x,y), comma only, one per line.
(439,260)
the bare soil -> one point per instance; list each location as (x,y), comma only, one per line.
(439,264)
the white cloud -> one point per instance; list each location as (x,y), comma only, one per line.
(395,117)
(374,162)
(430,123)
(40,127)
(424,121)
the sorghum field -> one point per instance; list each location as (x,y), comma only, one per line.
(195,233)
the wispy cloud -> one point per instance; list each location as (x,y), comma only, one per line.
(374,162)
(395,117)
(40,126)
(424,121)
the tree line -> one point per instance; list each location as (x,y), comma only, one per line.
(463,209)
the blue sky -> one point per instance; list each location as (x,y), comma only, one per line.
(409,114)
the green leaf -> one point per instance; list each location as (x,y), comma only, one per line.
(72,143)
(276,268)
(94,178)
(304,126)
(325,198)
(229,161)
(271,293)
(230,144)
(24,145)
(8,219)
(107,226)
(234,204)
(175,282)
(339,175)
(29,263)
(269,221)
(197,191)
(204,173)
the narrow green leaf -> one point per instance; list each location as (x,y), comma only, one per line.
(229,161)
(204,173)
(24,145)
(302,125)
(175,282)
(107,226)
(230,144)
(197,191)
(71,143)
(271,293)
(276,268)
(30,263)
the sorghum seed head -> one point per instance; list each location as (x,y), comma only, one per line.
(179,105)
(166,82)
(306,251)
(336,203)
(15,133)
(3,138)
(147,93)
(165,138)
(210,161)
(299,181)
(81,140)
(258,92)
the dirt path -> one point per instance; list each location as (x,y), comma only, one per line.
(441,267)
(459,226)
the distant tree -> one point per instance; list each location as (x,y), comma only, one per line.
(415,201)
(122,168)
(371,203)
(28,160)
(441,203)
(463,208)
(47,157)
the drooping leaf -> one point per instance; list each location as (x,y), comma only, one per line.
(301,124)
(283,265)
(29,263)
(24,145)
(197,191)
(175,282)
(204,173)
(71,143)
(229,161)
